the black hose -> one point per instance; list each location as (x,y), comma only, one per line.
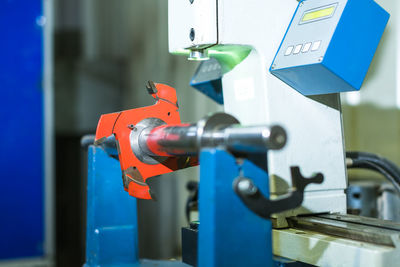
(384,163)
(363,160)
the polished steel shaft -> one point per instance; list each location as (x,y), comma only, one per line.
(219,130)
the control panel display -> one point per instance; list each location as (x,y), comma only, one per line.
(321,13)
(325,40)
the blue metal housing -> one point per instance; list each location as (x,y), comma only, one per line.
(21,136)
(348,55)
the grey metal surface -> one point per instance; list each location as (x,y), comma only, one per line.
(49,132)
(363,221)
(139,148)
(313,31)
(373,198)
(358,228)
(388,203)
(362,199)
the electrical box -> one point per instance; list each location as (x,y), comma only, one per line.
(329,45)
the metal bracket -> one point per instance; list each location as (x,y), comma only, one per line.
(263,207)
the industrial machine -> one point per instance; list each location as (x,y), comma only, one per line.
(278,67)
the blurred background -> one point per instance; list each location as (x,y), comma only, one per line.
(86,58)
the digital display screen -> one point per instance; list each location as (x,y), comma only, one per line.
(318,14)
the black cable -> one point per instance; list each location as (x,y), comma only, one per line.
(384,163)
(362,160)
(387,165)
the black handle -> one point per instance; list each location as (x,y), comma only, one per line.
(263,207)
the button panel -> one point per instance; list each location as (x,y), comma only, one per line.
(304,48)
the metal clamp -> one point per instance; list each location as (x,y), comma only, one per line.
(252,197)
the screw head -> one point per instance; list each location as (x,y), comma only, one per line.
(41,21)
(247,187)
(132,127)
(192,34)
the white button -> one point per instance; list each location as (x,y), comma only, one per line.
(306,47)
(297,49)
(316,46)
(289,50)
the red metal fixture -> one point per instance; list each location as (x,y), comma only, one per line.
(122,124)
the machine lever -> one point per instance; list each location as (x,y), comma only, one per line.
(252,197)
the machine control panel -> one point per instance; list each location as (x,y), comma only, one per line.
(329,45)
(310,33)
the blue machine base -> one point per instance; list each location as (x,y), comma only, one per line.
(229,233)
(112,232)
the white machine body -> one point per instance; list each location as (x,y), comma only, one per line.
(254,96)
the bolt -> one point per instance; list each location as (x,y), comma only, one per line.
(275,138)
(41,21)
(280,139)
(192,34)
(247,187)
(132,127)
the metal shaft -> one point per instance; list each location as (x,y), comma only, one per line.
(172,140)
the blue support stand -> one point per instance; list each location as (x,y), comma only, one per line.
(111,237)
(229,233)
(112,230)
